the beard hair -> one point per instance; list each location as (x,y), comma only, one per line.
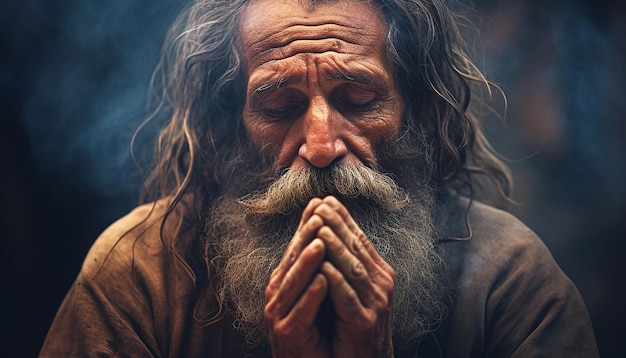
(247,234)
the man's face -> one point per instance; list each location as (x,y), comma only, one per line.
(320,91)
(319,86)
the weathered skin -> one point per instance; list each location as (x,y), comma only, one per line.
(320,90)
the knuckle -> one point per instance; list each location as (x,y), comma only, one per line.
(315,221)
(326,232)
(357,246)
(367,323)
(273,275)
(289,281)
(331,200)
(351,298)
(385,276)
(315,202)
(269,316)
(323,210)
(290,258)
(384,303)
(358,270)
(388,276)
(341,250)
(387,286)
(288,330)
(318,285)
(270,291)
(281,329)
(391,272)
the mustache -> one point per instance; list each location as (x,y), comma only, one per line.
(293,189)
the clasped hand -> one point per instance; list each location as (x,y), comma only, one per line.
(330,256)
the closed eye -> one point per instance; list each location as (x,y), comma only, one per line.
(280,112)
(280,104)
(356,99)
(357,106)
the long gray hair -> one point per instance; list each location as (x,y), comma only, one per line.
(200,85)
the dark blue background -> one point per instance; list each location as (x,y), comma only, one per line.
(74,76)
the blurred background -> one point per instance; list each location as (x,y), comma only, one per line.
(74,77)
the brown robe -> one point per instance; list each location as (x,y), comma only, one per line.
(506,298)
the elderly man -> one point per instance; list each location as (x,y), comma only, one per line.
(313,197)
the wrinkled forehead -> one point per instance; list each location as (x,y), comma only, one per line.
(273,29)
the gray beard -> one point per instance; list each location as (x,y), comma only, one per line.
(247,234)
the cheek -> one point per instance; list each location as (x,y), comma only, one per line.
(366,144)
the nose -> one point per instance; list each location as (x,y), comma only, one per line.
(323,144)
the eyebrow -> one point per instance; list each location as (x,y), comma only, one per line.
(354,76)
(281,81)
(335,75)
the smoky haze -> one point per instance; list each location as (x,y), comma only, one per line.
(88,86)
(74,77)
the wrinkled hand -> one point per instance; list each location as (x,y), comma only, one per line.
(330,255)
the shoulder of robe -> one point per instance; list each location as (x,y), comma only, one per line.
(130,243)
(484,233)
(510,297)
(474,221)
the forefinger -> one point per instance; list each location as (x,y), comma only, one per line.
(361,246)
(306,232)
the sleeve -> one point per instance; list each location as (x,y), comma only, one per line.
(508,297)
(534,310)
(90,323)
(110,308)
